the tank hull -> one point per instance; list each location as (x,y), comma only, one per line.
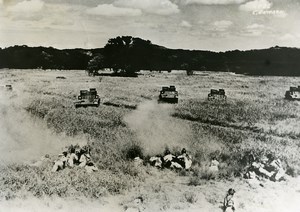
(168,95)
(88,98)
(292,95)
(87,104)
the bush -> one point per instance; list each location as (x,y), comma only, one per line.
(134,151)
(190,197)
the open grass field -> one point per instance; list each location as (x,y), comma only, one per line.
(38,117)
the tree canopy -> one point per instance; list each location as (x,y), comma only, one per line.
(126,54)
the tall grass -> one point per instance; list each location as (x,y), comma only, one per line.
(254,118)
(230,130)
(110,141)
(236,113)
(19,180)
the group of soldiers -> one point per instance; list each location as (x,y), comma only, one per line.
(75,156)
(171,161)
(268,167)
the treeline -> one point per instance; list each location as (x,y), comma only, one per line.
(129,55)
(24,57)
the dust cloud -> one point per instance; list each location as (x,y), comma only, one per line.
(156,129)
(24,138)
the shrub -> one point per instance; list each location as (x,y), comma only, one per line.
(134,151)
(190,197)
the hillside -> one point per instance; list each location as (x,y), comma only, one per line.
(143,55)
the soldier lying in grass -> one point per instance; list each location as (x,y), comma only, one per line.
(170,161)
(75,156)
(267,167)
(61,162)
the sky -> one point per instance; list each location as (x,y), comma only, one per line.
(216,25)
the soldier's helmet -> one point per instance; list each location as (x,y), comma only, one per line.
(231,191)
(183,151)
(90,164)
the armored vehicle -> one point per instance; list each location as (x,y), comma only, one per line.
(8,87)
(168,94)
(293,93)
(88,98)
(217,94)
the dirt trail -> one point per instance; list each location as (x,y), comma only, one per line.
(165,191)
(33,204)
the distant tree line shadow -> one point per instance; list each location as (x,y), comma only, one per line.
(127,55)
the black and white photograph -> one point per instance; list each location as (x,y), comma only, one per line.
(149,105)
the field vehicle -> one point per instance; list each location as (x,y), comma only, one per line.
(217,94)
(88,98)
(60,77)
(8,87)
(293,93)
(168,94)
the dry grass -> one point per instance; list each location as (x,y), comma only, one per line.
(20,180)
(255,117)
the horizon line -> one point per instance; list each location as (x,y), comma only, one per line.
(276,46)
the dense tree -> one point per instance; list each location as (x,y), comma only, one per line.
(127,55)
(25,57)
(95,64)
